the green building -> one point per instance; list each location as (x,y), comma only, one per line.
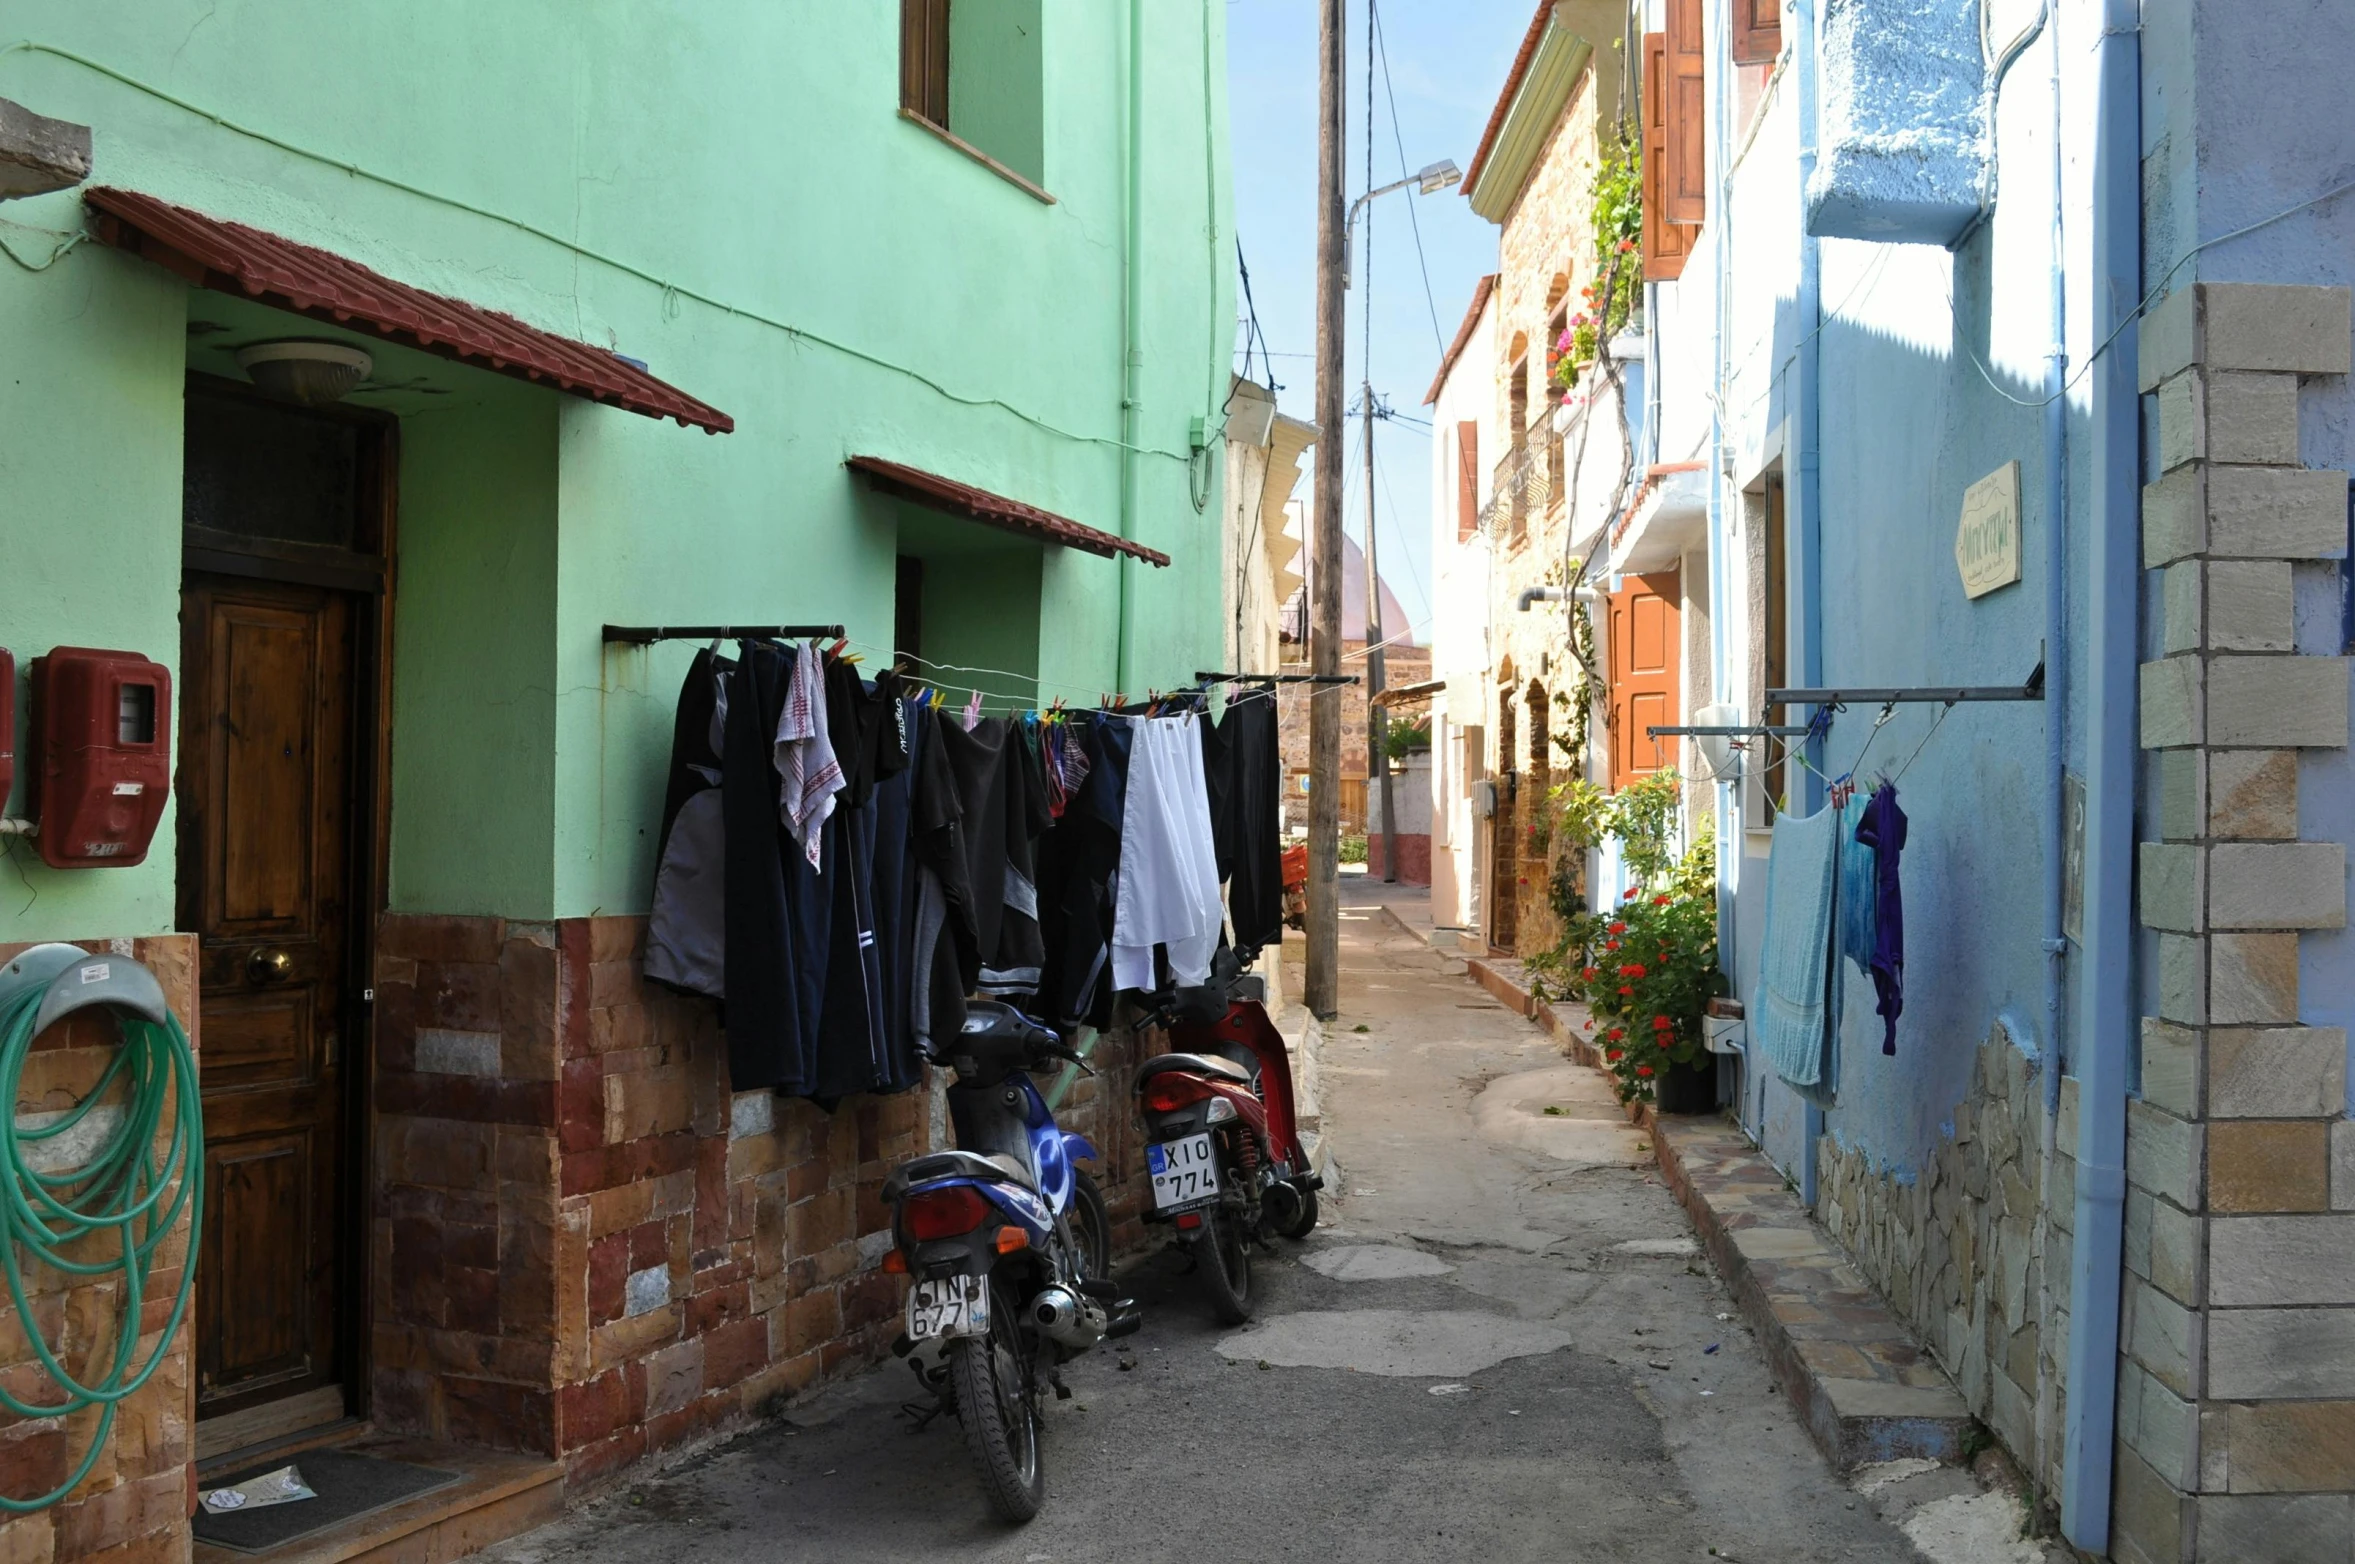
(910,319)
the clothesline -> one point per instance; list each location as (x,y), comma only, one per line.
(847,865)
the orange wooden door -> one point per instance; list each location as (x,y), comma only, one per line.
(266,855)
(1643,674)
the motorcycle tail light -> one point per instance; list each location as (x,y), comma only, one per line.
(1169,1093)
(944,1213)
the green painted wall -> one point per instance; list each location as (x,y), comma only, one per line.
(877,292)
(474,666)
(91,345)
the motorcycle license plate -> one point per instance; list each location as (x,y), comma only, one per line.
(948,1306)
(1184,1172)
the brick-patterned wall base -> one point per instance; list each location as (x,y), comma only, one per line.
(586,1246)
(134,1504)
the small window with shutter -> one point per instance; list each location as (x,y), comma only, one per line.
(1666,244)
(1757,32)
(924,60)
(1685,171)
(1467,479)
(974,72)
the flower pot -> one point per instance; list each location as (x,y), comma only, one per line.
(1687,1088)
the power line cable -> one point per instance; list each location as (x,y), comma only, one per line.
(1382,50)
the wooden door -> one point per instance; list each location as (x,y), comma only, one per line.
(1643,674)
(1504,836)
(267,876)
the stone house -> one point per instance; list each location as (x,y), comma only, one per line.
(471,1183)
(1549,468)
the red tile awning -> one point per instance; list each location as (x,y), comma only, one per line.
(993,510)
(232,258)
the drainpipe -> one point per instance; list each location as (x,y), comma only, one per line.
(1728,862)
(1132,334)
(2106,1005)
(2056,607)
(1806,519)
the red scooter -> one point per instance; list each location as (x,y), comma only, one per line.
(1222,1144)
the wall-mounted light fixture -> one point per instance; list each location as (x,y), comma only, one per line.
(312,373)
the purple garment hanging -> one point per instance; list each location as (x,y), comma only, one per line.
(1883,830)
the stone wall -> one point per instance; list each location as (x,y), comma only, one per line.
(2236,1391)
(584,1245)
(135,1503)
(1972,1251)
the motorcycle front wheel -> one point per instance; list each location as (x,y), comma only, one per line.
(997,1402)
(1223,1256)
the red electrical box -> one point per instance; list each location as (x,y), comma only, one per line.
(7,725)
(102,766)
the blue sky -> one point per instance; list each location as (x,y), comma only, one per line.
(1447,61)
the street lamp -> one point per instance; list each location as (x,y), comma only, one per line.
(1428,181)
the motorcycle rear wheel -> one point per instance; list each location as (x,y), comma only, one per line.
(1091,1228)
(1223,1255)
(996,1386)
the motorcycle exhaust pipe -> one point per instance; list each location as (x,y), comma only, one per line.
(1068,1318)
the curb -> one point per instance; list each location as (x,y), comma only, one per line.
(1857,1378)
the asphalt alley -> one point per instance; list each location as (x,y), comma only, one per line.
(1501,1344)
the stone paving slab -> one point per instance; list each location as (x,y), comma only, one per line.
(1863,1385)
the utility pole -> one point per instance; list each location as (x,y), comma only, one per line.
(1377,719)
(1322,986)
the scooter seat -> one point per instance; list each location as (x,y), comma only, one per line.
(1193,1064)
(954,1164)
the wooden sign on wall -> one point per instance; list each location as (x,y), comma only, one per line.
(1987,542)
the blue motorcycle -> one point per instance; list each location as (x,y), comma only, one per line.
(1008,1247)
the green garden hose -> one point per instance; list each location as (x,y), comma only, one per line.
(124,1192)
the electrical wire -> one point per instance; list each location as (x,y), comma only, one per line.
(1382,52)
(2142,306)
(68,242)
(671,291)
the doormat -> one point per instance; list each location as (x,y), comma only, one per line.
(349,1486)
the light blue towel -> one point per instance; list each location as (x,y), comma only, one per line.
(1790,1017)
(1860,868)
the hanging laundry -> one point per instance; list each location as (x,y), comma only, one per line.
(1168,887)
(1079,865)
(854,1051)
(686,929)
(1011,967)
(1857,871)
(1250,829)
(808,772)
(1883,830)
(779,921)
(1794,1015)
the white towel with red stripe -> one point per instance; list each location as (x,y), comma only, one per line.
(808,774)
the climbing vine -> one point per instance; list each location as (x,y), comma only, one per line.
(1607,301)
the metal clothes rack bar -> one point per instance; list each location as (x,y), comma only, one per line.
(1717,730)
(647,635)
(1275,678)
(1929,695)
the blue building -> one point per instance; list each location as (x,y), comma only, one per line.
(2011,342)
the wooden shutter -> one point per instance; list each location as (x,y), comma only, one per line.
(1685,172)
(924,59)
(1467,479)
(1758,31)
(1644,662)
(1665,244)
